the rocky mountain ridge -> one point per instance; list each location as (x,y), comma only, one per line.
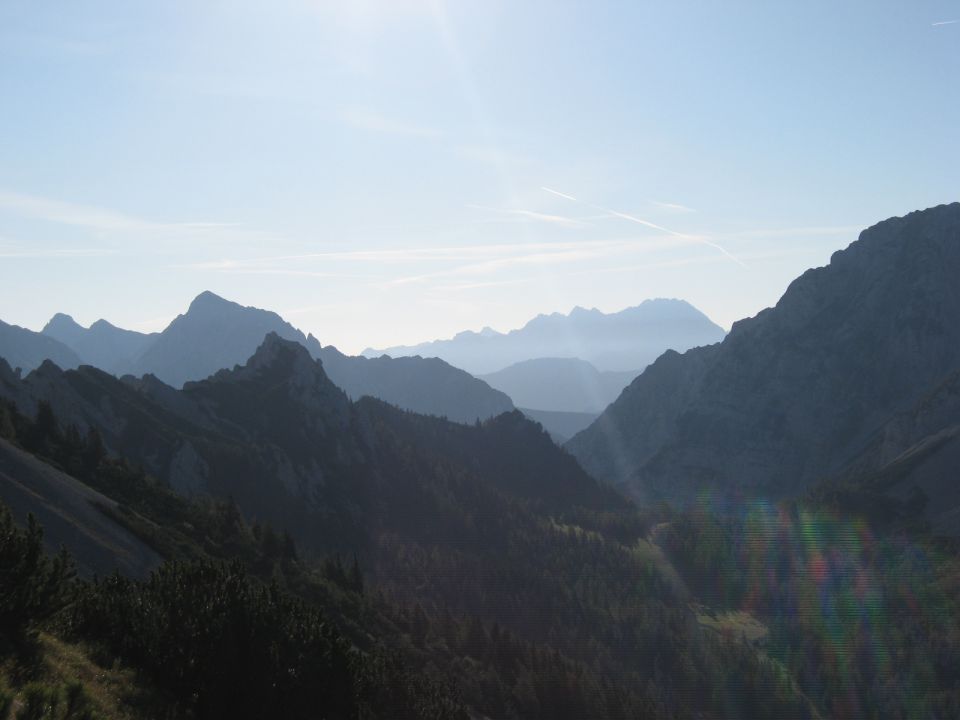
(794,394)
(215,334)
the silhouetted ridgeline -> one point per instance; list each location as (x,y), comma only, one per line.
(215,334)
(625,341)
(799,391)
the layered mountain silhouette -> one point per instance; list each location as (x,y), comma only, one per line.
(102,345)
(800,391)
(560,384)
(291,448)
(215,333)
(628,340)
(25,349)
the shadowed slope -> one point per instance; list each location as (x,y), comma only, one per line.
(794,393)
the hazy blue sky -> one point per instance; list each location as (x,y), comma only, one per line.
(375,171)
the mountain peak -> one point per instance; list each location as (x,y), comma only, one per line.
(287,359)
(280,378)
(208,301)
(274,348)
(60,323)
(624,341)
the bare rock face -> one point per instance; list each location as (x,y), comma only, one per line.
(72,515)
(794,394)
(281,389)
(916,455)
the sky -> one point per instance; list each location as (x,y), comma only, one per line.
(387,172)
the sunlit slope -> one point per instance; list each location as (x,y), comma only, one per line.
(73,515)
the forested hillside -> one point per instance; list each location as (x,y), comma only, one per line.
(484,555)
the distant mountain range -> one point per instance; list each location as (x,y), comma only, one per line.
(25,349)
(560,384)
(836,372)
(102,345)
(215,333)
(627,341)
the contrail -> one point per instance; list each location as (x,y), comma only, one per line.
(646,223)
(631,218)
(944,22)
(563,195)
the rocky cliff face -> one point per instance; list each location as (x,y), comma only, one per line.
(794,393)
(914,459)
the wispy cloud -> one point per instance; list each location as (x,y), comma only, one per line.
(499,264)
(459,287)
(365,119)
(419,255)
(93,218)
(802,231)
(534,215)
(614,213)
(559,194)
(233,267)
(646,223)
(672,207)
(122,232)
(944,22)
